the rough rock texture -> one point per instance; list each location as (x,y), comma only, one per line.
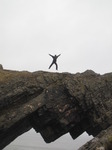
(101,142)
(54,104)
(1,67)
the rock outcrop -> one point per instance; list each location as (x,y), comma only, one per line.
(54,104)
(1,67)
(103,141)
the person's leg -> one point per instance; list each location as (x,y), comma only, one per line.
(56,66)
(50,65)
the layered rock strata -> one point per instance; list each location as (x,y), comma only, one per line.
(54,104)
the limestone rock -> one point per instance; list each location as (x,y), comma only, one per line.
(54,104)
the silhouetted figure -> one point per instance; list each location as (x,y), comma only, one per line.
(54,60)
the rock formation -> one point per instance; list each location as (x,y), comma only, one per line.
(54,104)
(1,67)
(103,141)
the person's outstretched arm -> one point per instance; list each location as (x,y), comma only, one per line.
(51,55)
(58,55)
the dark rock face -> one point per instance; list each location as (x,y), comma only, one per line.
(103,141)
(54,104)
(1,67)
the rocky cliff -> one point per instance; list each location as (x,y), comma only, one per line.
(54,104)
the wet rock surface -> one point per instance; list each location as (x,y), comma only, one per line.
(54,104)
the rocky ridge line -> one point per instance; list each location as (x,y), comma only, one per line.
(54,104)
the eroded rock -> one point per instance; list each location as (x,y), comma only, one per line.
(54,104)
(1,67)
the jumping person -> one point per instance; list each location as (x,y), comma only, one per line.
(54,60)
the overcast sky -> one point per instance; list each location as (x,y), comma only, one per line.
(81,30)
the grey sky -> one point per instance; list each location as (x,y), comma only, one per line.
(33,141)
(81,30)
